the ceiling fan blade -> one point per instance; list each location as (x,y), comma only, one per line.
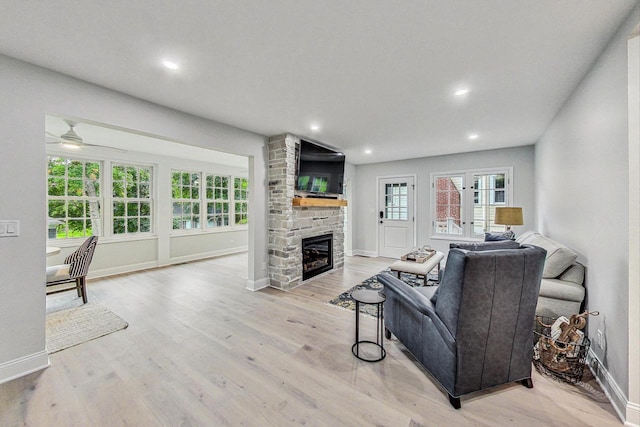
(105,147)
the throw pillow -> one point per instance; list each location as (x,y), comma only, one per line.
(496,237)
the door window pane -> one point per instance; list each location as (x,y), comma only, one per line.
(396,201)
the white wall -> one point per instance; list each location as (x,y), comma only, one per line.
(582,184)
(365,221)
(633,415)
(28,94)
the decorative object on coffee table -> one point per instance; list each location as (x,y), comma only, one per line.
(419,255)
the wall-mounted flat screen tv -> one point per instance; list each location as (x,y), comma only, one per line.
(320,171)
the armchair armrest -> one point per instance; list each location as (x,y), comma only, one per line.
(417,301)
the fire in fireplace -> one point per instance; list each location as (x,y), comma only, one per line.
(317,255)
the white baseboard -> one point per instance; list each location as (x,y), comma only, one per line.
(348,252)
(361,252)
(256,285)
(104,272)
(211,254)
(629,412)
(153,264)
(633,415)
(23,366)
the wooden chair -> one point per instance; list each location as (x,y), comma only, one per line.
(74,269)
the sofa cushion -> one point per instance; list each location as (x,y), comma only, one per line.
(561,290)
(559,257)
(574,274)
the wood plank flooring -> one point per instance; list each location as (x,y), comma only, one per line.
(201,350)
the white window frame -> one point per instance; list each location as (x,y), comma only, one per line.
(467,200)
(99,229)
(203,200)
(183,200)
(126,200)
(243,201)
(214,200)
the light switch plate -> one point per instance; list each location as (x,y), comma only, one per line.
(10,228)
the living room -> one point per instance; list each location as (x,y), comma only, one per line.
(575,181)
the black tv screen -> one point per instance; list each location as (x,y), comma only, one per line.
(320,171)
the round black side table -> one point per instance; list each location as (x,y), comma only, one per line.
(363,296)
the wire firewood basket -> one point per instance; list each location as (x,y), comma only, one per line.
(564,360)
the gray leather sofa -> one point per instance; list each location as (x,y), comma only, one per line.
(475,331)
(562,289)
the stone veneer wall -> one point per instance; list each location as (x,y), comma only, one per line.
(289,225)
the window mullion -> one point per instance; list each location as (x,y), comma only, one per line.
(107,195)
(468,205)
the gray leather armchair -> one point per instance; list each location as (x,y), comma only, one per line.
(476,330)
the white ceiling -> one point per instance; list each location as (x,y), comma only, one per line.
(124,139)
(374,74)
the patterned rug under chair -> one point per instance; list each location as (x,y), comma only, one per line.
(345,301)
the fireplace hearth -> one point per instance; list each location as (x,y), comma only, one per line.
(317,255)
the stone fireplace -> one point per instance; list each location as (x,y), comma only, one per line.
(289,224)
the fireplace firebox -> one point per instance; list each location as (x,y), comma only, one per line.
(317,255)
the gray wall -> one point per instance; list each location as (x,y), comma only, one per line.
(582,194)
(365,220)
(28,93)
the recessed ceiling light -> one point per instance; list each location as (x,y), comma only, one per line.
(170,64)
(368,151)
(315,127)
(473,136)
(461,92)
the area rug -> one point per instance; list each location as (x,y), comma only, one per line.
(345,300)
(67,328)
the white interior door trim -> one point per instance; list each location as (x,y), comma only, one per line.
(415,205)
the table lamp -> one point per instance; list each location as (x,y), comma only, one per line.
(509,216)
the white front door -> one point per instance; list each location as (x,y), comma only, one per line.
(395,217)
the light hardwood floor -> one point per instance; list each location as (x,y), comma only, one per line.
(201,350)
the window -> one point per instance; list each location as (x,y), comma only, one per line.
(462,210)
(241,196)
(209,204)
(396,203)
(73,198)
(131,199)
(185,195)
(217,198)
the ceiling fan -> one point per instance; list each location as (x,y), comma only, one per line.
(72,140)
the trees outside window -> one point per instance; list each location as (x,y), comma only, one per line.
(212,199)
(217,199)
(241,197)
(132,201)
(73,197)
(185,198)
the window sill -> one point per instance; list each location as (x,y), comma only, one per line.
(198,232)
